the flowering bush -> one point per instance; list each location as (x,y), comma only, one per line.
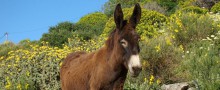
(36,68)
(190,27)
(79,44)
(160,55)
(150,24)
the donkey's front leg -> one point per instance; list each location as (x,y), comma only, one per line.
(119,84)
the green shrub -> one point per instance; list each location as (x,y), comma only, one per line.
(170,5)
(150,24)
(58,34)
(91,25)
(6,47)
(160,55)
(109,6)
(186,3)
(194,9)
(190,27)
(202,62)
(216,8)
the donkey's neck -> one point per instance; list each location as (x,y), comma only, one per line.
(115,59)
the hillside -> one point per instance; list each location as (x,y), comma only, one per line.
(180,42)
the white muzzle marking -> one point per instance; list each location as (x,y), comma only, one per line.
(134,62)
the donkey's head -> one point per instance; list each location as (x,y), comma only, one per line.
(127,39)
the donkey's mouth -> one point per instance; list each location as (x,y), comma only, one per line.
(134,75)
(135,72)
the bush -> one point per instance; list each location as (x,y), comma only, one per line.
(170,5)
(38,67)
(216,8)
(186,3)
(109,6)
(79,44)
(34,68)
(154,6)
(201,63)
(150,24)
(194,9)
(190,27)
(206,3)
(58,34)
(6,47)
(91,25)
(160,55)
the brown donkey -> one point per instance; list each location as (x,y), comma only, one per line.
(106,68)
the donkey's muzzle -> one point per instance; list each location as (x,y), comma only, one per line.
(136,71)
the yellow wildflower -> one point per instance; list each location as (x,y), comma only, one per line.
(168,42)
(26,86)
(9,66)
(145,79)
(157,48)
(151,79)
(8,83)
(176,30)
(8,86)
(28,73)
(2,58)
(19,86)
(61,63)
(179,22)
(181,48)
(158,81)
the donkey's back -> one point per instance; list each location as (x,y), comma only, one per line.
(72,58)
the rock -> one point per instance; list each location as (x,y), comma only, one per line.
(178,86)
(192,88)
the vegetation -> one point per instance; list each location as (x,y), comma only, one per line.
(58,34)
(91,25)
(150,24)
(194,9)
(201,63)
(180,41)
(216,8)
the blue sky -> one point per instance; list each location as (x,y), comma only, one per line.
(29,19)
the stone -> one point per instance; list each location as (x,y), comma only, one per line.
(178,86)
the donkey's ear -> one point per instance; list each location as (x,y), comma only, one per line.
(136,16)
(118,16)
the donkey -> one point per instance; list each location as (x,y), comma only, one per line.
(106,68)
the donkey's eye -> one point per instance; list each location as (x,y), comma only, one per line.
(124,43)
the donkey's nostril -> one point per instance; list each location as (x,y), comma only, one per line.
(137,69)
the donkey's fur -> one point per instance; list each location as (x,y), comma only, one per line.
(106,68)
